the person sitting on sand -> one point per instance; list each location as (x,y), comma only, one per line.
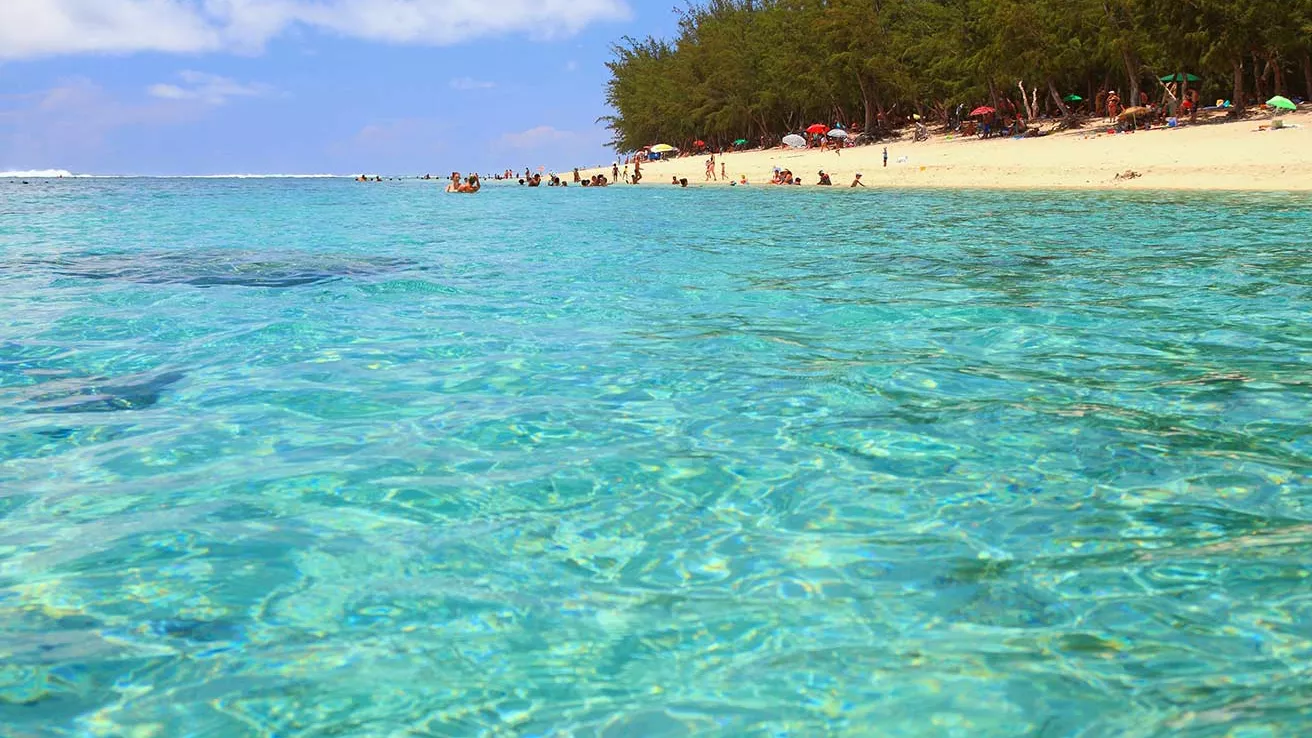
(742,179)
(1113,104)
(797,182)
(674,180)
(857,182)
(683,182)
(824,180)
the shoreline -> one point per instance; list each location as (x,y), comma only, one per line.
(1215,157)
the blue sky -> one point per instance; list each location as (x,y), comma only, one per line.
(308,86)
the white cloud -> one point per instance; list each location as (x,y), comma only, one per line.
(469,83)
(537,137)
(571,66)
(210,89)
(35,28)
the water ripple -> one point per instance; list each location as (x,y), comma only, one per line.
(305,457)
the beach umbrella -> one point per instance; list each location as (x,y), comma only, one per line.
(1282,103)
(818,128)
(663,148)
(1176,78)
(795,141)
(699,142)
(981,110)
(740,142)
(1073,98)
(838,133)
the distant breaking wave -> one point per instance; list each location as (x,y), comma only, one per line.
(39,173)
(56,173)
(256,176)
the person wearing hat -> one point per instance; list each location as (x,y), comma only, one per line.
(857,182)
(824,179)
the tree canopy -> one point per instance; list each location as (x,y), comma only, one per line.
(759,68)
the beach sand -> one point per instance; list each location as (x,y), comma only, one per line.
(1229,156)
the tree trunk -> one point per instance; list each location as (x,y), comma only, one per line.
(1259,77)
(1131,71)
(1238,100)
(867,110)
(1279,74)
(1056,97)
(1307,74)
(1030,111)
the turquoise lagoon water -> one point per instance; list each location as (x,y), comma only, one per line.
(313,458)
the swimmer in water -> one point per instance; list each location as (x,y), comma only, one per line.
(471,185)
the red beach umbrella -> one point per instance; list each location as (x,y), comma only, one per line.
(699,142)
(982,110)
(818,128)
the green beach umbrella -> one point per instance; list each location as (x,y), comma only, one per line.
(1074,98)
(740,142)
(1282,102)
(1176,78)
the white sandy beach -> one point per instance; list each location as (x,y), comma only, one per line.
(1230,156)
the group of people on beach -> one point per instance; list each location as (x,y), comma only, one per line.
(786,177)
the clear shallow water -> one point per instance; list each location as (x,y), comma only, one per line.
(324,458)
